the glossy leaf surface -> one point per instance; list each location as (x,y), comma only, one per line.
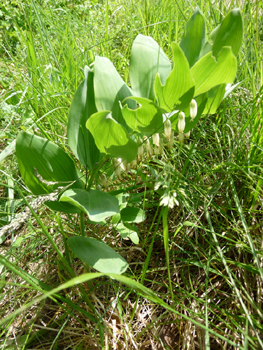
(209,72)
(128,232)
(82,107)
(177,84)
(194,38)
(109,88)
(96,204)
(229,33)
(214,98)
(130,214)
(146,119)
(98,255)
(44,167)
(147,58)
(111,137)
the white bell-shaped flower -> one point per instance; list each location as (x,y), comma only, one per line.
(181,122)
(193,109)
(157,150)
(156,140)
(187,135)
(140,150)
(168,129)
(148,147)
(117,167)
(134,163)
(103,181)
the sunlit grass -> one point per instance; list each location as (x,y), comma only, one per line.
(214,235)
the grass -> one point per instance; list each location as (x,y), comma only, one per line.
(203,259)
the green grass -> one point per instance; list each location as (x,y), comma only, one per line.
(202,258)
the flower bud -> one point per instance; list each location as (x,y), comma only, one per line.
(161,147)
(103,181)
(187,135)
(171,141)
(193,109)
(167,129)
(148,147)
(156,150)
(181,137)
(117,166)
(174,199)
(181,122)
(121,162)
(156,139)
(127,166)
(134,163)
(140,150)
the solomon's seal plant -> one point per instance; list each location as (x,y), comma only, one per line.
(110,120)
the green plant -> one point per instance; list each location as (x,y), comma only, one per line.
(108,120)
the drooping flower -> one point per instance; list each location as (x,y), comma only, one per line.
(193,109)
(181,137)
(117,167)
(156,150)
(140,149)
(156,140)
(168,129)
(127,166)
(171,141)
(148,147)
(181,122)
(134,163)
(103,181)
(187,135)
(161,146)
(169,200)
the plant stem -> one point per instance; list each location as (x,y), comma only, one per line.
(95,170)
(166,246)
(82,224)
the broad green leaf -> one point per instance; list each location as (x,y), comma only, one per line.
(130,214)
(214,33)
(185,100)
(146,119)
(98,255)
(209,72)
(82,107)
(122,199)
(109,88)
(194,38)
(178,83)
(96,204)
(147,58)
(127,232)
(116,218)
(230,33)
(214,98)
(205,49)
(111,137)
(44,167)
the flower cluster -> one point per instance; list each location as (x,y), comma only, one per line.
(154,148)
(181,121)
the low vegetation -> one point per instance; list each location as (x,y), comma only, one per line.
(131,175)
